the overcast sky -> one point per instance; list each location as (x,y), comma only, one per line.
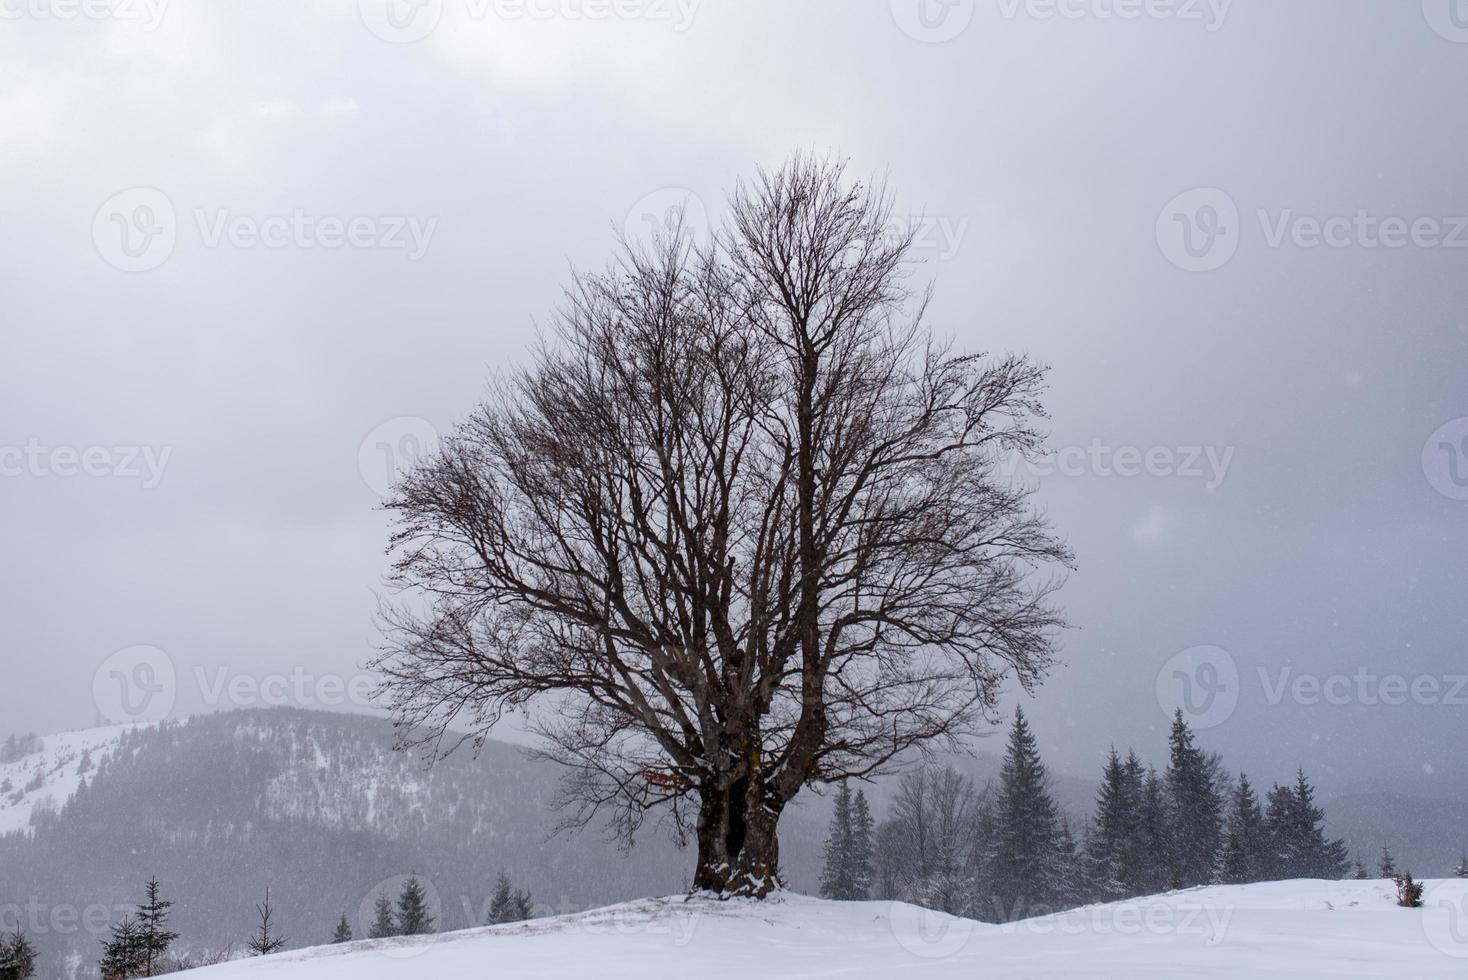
(246,246)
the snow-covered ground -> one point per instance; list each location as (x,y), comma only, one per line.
(1296,929)
(49,776)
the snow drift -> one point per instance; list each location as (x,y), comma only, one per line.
(1292,928)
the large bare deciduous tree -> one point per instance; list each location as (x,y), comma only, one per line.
(741,527)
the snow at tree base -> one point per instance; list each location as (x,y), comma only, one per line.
(1300,929)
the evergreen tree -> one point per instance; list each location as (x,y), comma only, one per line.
(1387,866)
(1154,866)
(1298,843)
(1194,808)
(343,932)
(1361,874)
(413,913)
(1111,856)
(383,925)
(17,957)
(838,874)
(861,846)
(1025,878)
(154,938)
(122,955)
(1246,849)
(522,906)
(502,906)
(1461,871)
(264,941)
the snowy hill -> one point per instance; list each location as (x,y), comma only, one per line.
(1287,929)
(43,776)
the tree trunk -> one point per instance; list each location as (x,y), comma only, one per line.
(738,846)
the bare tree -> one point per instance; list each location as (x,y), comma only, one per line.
(741,527)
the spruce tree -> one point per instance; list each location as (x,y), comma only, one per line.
(1025,878)
(1461,871)
(861,846)
(1194,808)
(522,906)
(1246,849)
(1387,866)
(838,874)
(413,913)
(1298,843)
(383,925)
(122,955)
(154,938)
(1361,874)
(17,957)
(1111,857)
(343,932)
(502,906)
(264,941)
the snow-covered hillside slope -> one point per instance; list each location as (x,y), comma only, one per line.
(45,778)
(1297,929)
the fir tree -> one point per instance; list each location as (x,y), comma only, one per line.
(154,938)
(1153,862)
(1461,871)
(1024,878)
(264,942)
(1298,844)
(413,913)
(502,906)
(343,932)
(1111,843)
(383,925)
(1194,808)
(1387,866)
(122,955)
(523,908)
(17,957)
(1361,874)
(1246,849)
(838,876)
(861,846)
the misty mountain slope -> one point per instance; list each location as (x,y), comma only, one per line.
(317,806)
(1426,836)
(1293,928)
(41,777)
